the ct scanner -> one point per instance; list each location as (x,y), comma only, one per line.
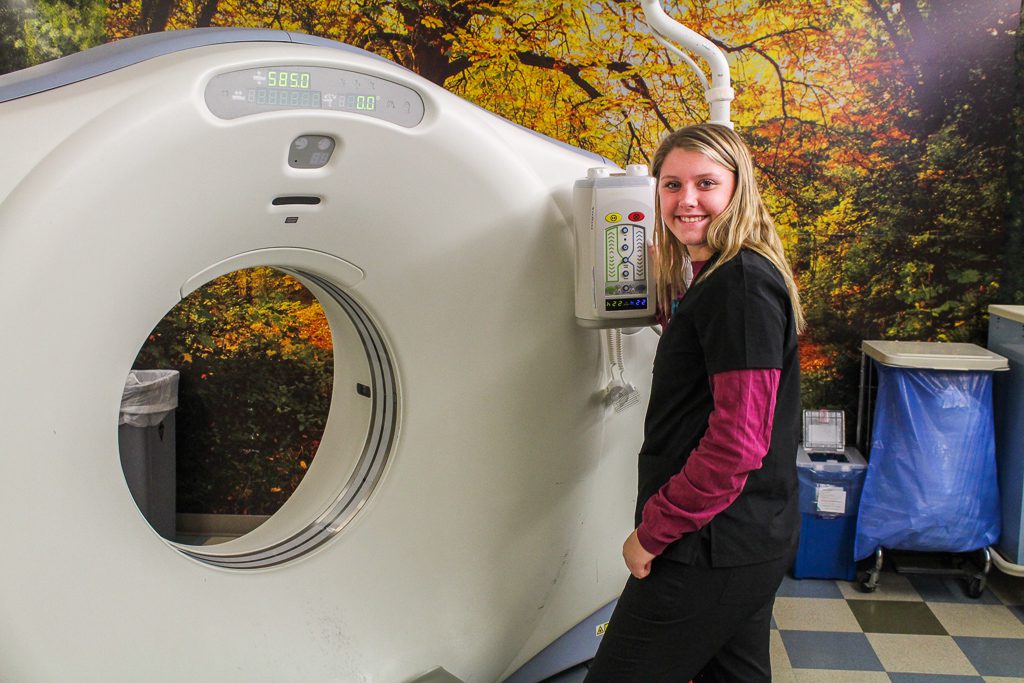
(461,520)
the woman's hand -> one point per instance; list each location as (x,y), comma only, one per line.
(637,559)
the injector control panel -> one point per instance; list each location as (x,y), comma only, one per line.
(614,216)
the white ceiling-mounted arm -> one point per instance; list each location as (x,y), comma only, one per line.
(719,93)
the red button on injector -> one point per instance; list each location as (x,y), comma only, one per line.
(636,216)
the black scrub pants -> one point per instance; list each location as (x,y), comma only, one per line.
(692,622)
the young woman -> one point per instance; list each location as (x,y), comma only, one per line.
(717,512)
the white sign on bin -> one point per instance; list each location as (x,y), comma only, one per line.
(830,499)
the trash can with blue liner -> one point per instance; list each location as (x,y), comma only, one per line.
(1006,337)
(147,445)
(931,481)
(830,489)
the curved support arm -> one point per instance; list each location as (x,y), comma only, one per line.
(720,94)
(683,56)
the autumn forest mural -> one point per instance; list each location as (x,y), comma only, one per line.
(887,135)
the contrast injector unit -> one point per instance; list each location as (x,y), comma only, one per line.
(614,215)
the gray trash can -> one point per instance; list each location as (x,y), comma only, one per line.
(146,441)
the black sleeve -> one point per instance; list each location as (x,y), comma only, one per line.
(742,317)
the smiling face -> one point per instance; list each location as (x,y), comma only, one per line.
(692,190)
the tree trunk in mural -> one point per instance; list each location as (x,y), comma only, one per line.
(951,49)
(207,11)
(154,14)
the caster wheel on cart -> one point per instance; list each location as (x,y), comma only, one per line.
(869,578)
(869,583)
(976,582)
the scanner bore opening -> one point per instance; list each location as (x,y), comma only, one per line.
(357,439)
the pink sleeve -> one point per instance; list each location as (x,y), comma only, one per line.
(736,441)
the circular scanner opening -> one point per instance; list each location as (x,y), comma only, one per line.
(285,412)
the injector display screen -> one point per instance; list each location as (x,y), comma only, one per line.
(638,304)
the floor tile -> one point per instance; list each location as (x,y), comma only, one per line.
(994,656)
(823,650)
(891,586)
(949,589)
(808,588)
(815,614)
(921,654)
(890,616)
(1019,612)
(1002,679)
(780,658)
(1009,589)
(837,676)
(575,675)
(933,678)
(985,621)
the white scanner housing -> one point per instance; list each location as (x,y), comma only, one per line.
(465,514)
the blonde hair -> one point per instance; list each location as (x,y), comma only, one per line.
(745,222)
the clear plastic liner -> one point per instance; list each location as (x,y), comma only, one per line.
(149,395)
(844,487)
(931,480)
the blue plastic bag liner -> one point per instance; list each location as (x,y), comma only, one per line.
(931,478)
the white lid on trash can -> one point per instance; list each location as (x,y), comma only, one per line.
(934,355)
(847,461)
(148,397)
(1014,313)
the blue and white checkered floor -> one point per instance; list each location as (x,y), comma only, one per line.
(912,629)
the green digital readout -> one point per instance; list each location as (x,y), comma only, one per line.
(288,79)
(284,98)
(359,102)
(275,87)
